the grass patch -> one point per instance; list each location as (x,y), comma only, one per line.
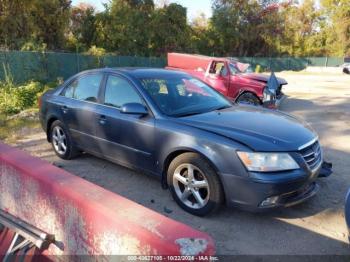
(12,129)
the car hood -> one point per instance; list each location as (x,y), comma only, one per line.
(260,129)
(264,78)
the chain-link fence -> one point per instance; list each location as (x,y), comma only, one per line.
(291,63)
(48,66)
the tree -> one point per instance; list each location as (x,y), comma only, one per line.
(337,14)
(304,32)
(170,31)
(200,35)
(15,23)
(244,27)
(83,25)
(50,20)
(125,26)
(138,27)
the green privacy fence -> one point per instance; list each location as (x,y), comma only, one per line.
(291,63)
(48,66)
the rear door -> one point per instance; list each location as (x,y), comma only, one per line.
(79,109)
(126,138)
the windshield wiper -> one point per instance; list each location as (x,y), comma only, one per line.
(187,114)
(222,107)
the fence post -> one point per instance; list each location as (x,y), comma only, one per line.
(326,63)
(77,58)
(288,63)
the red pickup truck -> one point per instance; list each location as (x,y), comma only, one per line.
(229,77)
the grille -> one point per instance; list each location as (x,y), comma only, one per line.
(312,155)
(279,91)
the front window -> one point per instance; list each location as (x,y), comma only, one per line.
(119,92)
(179,96)
(218,68)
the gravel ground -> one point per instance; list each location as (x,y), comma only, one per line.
(315,227)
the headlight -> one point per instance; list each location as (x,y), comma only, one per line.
(267,162)
(268,94)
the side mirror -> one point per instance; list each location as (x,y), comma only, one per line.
(134,109)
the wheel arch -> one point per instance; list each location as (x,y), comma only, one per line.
(242,92)
(179,151)
(49,123)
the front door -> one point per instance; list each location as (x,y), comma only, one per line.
(126,138)
(219,77)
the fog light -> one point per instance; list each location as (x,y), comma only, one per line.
(270,201)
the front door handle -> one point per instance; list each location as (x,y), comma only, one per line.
(65,109)
(102,119)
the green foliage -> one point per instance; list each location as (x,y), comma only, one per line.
(236,26)
(258,69)
(50,21)
(15,24)
(83,26)
(33,46)
(96,51)
(125,27)
(141,28)
(33,21)
(337,33)
(170,29)
(14,99)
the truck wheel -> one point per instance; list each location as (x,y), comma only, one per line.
(62,142)
(248,98)
(194,184)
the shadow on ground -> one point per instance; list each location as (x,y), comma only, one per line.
(315,227)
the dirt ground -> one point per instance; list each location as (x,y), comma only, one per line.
(315,227)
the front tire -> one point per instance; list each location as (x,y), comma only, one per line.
(248,98)
(194,184)
(61,141)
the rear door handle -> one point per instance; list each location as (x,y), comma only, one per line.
(102,119)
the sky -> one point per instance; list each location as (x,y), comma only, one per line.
(194,7)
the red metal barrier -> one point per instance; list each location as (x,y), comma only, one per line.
(87,219)
(6,236)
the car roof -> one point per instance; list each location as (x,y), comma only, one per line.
(138,72)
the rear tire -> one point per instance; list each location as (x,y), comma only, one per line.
(194,184)
(248,98)
(62,142)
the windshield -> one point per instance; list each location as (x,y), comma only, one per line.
(183,95)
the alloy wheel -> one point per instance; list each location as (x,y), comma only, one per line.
(59,140)
(191,186)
